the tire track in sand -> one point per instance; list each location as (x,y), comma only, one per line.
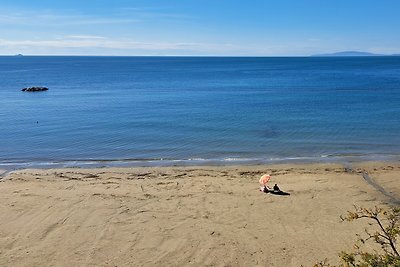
(392,199)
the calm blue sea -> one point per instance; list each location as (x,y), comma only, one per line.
(197,110)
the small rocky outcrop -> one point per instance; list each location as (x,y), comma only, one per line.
(35,89)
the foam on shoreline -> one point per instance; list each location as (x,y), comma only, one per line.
(100,163)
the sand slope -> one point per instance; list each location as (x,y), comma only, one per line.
(187,216)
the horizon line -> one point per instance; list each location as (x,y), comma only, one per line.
(255,56)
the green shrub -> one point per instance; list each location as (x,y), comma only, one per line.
(387,223)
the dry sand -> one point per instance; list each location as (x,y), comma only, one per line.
(185,216)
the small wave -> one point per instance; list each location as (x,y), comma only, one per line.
(126,162)
(196,159)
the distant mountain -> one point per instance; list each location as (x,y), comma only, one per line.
(348,54)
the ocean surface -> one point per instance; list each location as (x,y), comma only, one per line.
(197,110)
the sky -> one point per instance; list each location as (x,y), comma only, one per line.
(198,27)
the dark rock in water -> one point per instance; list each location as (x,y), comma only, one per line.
(35,89)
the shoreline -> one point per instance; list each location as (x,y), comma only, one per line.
(10,165)
(359,167)
(190,215)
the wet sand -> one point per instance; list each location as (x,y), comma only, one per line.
(186,216)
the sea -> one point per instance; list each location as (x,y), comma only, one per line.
(165,111)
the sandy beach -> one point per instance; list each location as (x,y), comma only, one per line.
(186,216)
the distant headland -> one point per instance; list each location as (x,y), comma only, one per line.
(351,54)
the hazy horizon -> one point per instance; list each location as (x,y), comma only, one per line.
(328,54)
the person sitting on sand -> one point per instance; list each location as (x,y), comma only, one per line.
(266,189)
(276,188)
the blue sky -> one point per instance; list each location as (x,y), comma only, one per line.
(198,27)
